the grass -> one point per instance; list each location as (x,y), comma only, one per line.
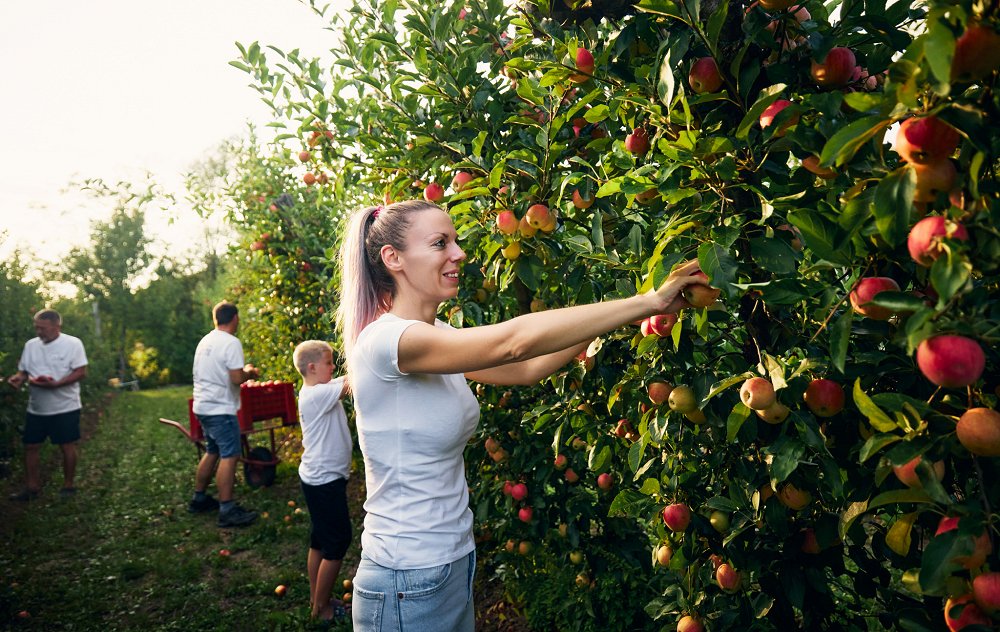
(124,554)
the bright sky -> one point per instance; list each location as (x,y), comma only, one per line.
(113,89)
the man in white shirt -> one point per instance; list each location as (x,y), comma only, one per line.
(218,372)
(53,365)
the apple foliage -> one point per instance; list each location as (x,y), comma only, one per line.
(786,216)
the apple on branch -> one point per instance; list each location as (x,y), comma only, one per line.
(704,76)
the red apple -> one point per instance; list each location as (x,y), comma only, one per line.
(924,241)
(507,222)
(677,517)
(933,178)
(280,590)
(699,295)
(491,445)
(986,590)
(689,624)
(810,545)
(623,428)
(836,69)
(768,115)
(309,178)
(538,216)
(978,431)
(825,398)
(581,202)
(951,361)
(658,392)
(757,393)
(560,462)
(461,179)
(727,577)
(970,613)
(304,156)
(793,497)
(866,290)
(585,64)
(925,139)
(508,487)
(705,76)
(257,245)
(977,53)
(661,324)
(605,481)
(434,192)
(907,473)
(638,141)
(571,476)
(524,514)
(519,491)
(982,546)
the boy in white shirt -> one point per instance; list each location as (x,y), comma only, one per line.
(323,471)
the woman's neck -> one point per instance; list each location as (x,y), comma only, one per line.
(408,309)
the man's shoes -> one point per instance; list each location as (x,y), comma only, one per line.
(67,492)
(201,506)
(24,496)
(236,517)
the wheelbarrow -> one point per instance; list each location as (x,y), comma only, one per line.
(272,403)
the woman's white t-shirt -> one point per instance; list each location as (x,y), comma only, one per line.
(326,439)
(412,429)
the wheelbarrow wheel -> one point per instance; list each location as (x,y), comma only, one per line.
(259,475)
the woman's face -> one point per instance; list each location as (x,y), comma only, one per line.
(430,264)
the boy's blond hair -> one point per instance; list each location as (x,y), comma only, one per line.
(309,352)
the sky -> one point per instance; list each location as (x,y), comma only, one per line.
(116,89)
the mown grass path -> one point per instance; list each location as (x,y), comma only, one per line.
(124,554)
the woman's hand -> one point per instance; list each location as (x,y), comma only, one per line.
(682,276)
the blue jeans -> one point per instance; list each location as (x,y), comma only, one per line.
(436,599)
(222,434)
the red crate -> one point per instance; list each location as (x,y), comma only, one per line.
(197,434)
(267,401)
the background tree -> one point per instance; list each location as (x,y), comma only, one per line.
(110,269)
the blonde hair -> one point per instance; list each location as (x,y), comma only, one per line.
(309,352)
(366,287)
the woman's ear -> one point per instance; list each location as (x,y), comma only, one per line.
(390,258)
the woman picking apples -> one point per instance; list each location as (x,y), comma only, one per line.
(415,411)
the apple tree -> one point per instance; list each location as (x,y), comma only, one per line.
(814,444)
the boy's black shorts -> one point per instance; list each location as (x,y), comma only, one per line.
(331,524)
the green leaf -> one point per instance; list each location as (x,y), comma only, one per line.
(768,96)
(840,338)
(650,487)
(845,143)
(875,443)
(939,48)
(893,204)
(938,563)
(627,503)
(596,114)
(898,538)
(878,419)
(665,85)
(722,385)
(949,274)
(737,416)
(774,255)
(719,265)
(788,453)
(820,234)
